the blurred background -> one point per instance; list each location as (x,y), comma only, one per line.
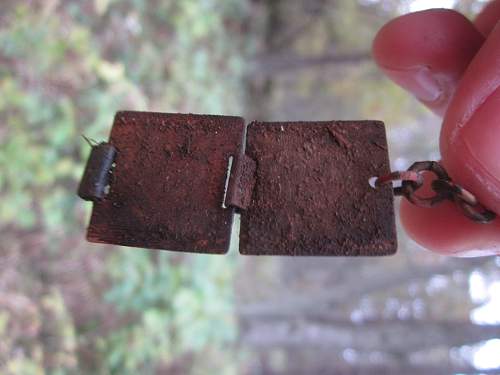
(70,307)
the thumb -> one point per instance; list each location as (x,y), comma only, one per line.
(426,53)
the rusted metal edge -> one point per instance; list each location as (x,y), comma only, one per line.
(241,182)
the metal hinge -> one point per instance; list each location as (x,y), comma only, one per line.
(241,182)
(96,176)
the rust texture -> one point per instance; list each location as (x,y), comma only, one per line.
(241,182)
(96,174)
(168,182)
(312,195)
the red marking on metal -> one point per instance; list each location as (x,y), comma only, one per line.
(339,137)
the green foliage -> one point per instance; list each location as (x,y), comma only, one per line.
(60,82)
(18,325)
(176,308)
(67,67)
(41,151)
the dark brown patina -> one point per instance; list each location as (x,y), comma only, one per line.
(302,188)
(168,182)
(312,195)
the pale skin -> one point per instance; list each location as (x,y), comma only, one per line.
(452,65)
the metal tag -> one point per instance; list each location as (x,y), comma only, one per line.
(312,195)
(168,182)
(301,188)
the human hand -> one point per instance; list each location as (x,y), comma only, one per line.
(452,65)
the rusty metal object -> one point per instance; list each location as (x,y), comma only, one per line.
(443,186)
(408,188)
(96,175)
(241,182)
(302,188)
(312,195)
(168,182)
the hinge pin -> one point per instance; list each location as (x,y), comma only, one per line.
(96,176)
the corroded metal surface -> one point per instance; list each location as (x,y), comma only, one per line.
(302,187)
(241,182)
(168,182)
(312,195)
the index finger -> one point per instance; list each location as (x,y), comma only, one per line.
(488,17)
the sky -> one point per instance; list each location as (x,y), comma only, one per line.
(417,5)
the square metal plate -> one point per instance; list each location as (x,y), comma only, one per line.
(312,195)
(167,184)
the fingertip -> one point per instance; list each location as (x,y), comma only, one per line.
(426,53)
(419,36)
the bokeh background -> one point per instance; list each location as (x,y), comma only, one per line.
(70,307)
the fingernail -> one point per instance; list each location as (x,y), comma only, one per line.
(418,80)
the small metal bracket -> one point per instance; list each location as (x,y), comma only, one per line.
(96,175)
(241,182)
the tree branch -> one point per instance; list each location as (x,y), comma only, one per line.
(393,336)
(350,290)
(272,65)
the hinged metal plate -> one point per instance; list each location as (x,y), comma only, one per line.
(312,195)
(168,182)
